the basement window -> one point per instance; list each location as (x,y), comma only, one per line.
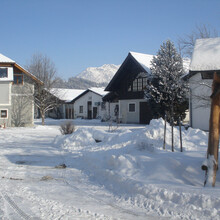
(4,113)
(3,72)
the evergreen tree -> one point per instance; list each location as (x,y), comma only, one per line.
(166,91)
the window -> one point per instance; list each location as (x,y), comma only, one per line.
(18,79)
(103,106)
(80,109)
(144,82)
(3,113)
(3,72)
(131,107)
(135,87)
(138,84)
(207,75)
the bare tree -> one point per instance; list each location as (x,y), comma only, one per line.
(186,43)
(44,69)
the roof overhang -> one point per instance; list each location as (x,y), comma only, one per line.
(28,74)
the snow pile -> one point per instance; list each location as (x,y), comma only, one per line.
(133,166)
(124,174)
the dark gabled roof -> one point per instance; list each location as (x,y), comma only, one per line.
(137,58)
(110,96)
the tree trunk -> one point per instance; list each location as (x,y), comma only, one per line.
(164,137)
(172,121)
(172,138)
(181,144)
(43,117)
(213,144)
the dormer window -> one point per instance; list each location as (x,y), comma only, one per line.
(3,73)
(18,79)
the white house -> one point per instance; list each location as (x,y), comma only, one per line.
(65,108)
(89,104)
(205,61)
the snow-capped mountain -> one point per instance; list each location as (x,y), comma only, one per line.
(102,74)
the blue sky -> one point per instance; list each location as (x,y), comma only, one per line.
(76,34)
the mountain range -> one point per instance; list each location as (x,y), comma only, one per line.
(90,77)
(102,74)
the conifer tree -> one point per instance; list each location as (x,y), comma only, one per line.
(166,91)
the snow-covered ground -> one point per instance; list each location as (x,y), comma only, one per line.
(123,174)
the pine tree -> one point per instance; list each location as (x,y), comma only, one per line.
(166,91)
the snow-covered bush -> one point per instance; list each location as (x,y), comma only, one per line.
(67,128)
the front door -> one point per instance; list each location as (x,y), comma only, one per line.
(89,110)
(95,110)
(145,113)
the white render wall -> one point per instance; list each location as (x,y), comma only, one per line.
(5,91)
(83,100)
(109,111)
(130,117)
(200,109)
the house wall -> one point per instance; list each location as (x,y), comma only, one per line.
(83,101)
(200,108)
(5,91)
(5,97)
(130,117)
(22,110)
(109,112)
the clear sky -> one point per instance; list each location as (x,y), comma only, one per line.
(76,34)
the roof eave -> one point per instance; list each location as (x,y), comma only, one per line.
(29,74)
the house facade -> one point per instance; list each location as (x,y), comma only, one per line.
(205,61)
(65,107)
(89,104)
(16,89)
(127,87)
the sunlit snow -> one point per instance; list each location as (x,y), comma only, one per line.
(122,174)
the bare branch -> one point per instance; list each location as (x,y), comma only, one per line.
(186,43)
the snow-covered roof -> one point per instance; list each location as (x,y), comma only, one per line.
(66,95)
(101,91)
(4,59)
(206,55)
(143,59)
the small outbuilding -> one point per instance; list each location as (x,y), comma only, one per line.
(89,104)
(65,107)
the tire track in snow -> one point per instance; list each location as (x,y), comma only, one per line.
(15,207)
(5,196)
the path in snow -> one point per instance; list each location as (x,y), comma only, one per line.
(32,188)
